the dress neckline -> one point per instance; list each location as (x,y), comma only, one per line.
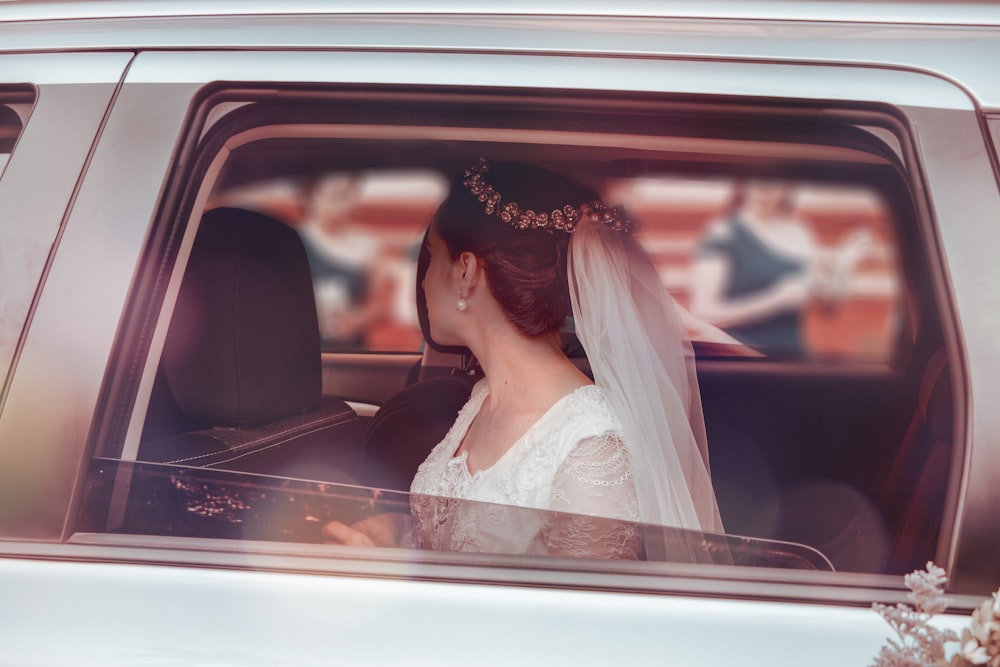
(461,459)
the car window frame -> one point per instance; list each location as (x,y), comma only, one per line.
(866,118)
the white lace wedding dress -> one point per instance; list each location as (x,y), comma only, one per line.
(571,460)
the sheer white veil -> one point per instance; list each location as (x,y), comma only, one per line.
(639,354)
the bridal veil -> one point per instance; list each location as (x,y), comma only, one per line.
(640,355)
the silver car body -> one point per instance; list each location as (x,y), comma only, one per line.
(115,84)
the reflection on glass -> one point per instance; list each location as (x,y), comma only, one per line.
(158,499)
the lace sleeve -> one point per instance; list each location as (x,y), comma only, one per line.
(594,487)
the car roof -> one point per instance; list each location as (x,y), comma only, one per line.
(978,13)
(957,41)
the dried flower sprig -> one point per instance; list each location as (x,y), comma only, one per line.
(921,644)
(918,643)
(980,643)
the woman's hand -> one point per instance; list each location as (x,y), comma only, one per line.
(336,532)
(379,530)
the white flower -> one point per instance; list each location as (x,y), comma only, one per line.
(974,653)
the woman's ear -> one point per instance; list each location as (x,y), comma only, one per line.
(469,271)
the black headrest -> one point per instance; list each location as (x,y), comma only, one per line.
(243,345)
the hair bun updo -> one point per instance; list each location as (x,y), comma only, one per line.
(526,268)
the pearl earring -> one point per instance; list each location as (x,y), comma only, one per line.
(461,305)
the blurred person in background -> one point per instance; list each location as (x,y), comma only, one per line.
(758,267)
(354,294)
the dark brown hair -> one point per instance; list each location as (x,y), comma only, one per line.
(525,269)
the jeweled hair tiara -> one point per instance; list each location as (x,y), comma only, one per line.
(563,219)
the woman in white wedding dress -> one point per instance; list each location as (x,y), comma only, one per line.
(514,251)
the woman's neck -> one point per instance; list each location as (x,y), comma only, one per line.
(529,371)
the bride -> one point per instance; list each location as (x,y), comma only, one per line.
(514,251)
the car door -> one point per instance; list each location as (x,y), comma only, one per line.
(133,222)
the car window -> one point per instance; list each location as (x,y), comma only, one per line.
(829,424)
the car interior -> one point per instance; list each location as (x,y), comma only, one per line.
(848,456)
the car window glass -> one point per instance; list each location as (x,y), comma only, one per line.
(154,499)
(850,368)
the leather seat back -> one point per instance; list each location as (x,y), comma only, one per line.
(242,360)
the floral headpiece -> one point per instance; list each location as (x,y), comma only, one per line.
(563,219)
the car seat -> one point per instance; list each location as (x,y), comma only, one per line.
(408,426)
(240,382)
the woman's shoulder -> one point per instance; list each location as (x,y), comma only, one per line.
(589,412)
(582,414)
